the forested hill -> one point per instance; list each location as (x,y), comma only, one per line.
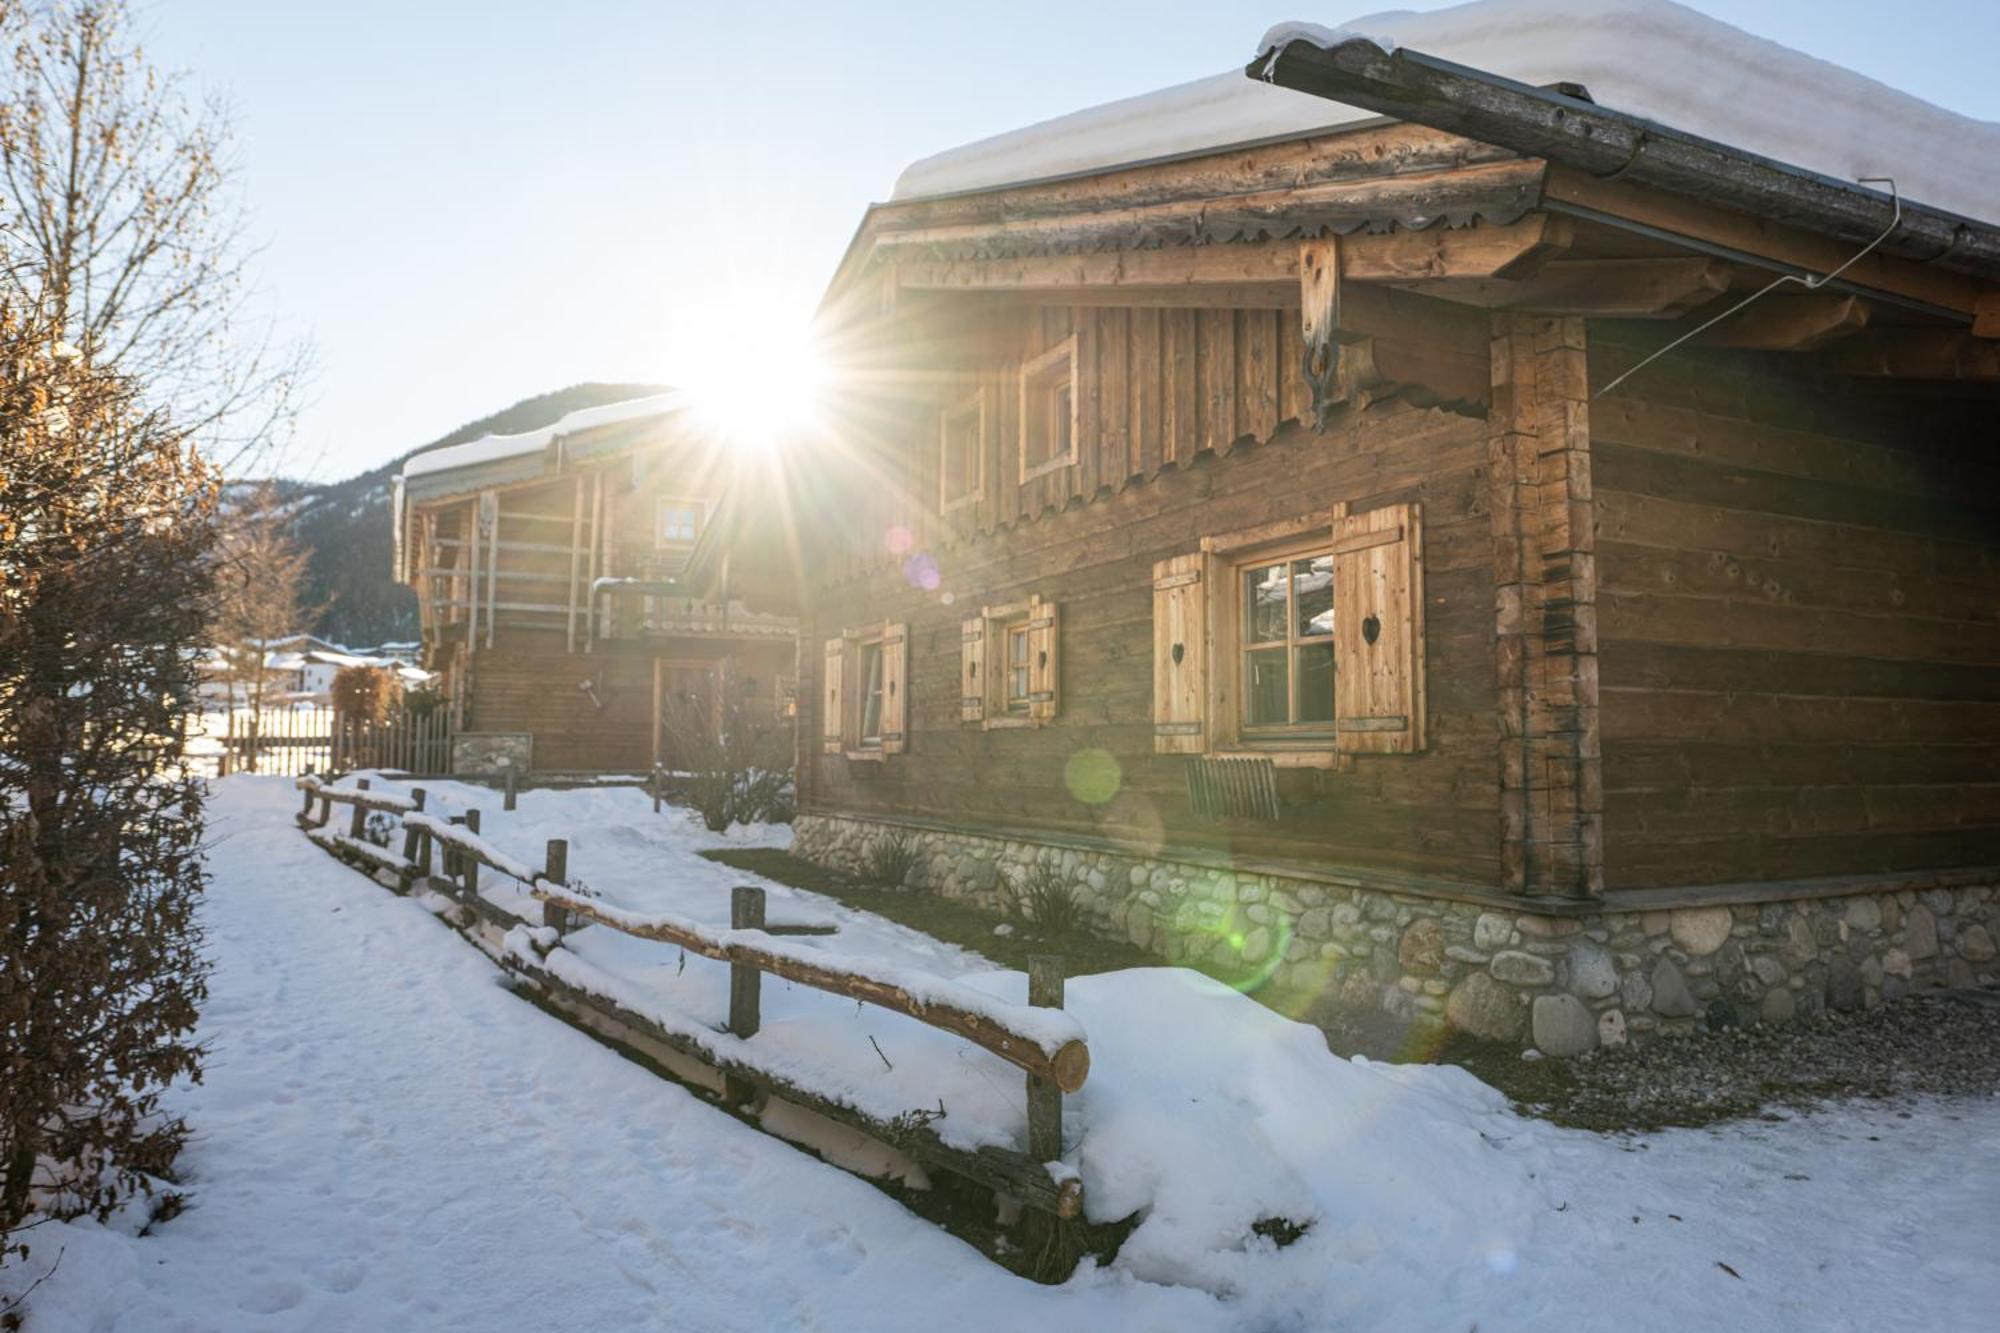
(345,525)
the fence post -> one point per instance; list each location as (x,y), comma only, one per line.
(509,803)
(555,869)
(466,860)
(746,1003)
(356,824)
(658,784)
(305,811)
(1045,990)
(409,831)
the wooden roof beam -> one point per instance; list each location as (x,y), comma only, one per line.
(1789,323)
(1483,251)
(1916,354)
(1605,288)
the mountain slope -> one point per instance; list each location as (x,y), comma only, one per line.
(345,524)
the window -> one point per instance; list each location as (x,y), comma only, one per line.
(1301,641)
(1016,685)
(868,734)
(962,454)
(1008,665)
(1048,411)
(1285,662)
(678,522)
(863,709)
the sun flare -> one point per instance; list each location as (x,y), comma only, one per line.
(755,387)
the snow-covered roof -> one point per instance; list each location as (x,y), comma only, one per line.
(493,448)
(1653,59)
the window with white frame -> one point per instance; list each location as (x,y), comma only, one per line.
(1048,411)
(677,522)
(962,453)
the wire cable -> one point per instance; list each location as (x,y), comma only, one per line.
(1811,284)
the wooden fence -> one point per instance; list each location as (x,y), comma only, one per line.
(285,741)
(406,742)
(1046,1046)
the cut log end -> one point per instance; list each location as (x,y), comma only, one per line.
(1070,1065)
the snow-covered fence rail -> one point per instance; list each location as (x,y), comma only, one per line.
(1039,1038)
(1045,1042)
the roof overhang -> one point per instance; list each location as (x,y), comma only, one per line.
(1611,145)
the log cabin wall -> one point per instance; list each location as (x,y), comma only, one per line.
(1187,429)
(1799,625)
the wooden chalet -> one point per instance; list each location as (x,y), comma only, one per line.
(1297,544)
(554,575)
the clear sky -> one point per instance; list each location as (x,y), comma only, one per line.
(464,204)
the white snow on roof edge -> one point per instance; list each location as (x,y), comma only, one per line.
(492,448)
(1649,58)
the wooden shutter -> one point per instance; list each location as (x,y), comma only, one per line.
(1044,671)
(1378,611)
(1180,655)
(972,669)
(831,721)
(895,694)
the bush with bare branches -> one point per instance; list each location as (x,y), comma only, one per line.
(737,772)
(105,523)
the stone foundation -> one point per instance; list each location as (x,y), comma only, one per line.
(1564,984)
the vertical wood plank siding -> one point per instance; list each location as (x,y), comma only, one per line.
(1799,626)
(1156,388)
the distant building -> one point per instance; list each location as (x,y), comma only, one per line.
(554,573)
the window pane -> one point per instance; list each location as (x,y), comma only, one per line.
(1059,432)
(1264,604)
(955,459)
(1315,666)
(1266,697)
(1312,592)
(871,693)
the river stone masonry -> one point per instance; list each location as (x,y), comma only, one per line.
(1562,984)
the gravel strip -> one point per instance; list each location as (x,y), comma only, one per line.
(1939,1044)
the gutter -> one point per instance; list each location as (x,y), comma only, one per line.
(1612,145)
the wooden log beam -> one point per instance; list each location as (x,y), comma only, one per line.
(1495,192)
(1733,235)
(1789,323)
(1605,288)
(1483,251)
(1067,1066)
(1986,314)
(1915,354)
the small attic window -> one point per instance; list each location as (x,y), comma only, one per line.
(1048,411)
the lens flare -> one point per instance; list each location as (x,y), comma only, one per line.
(1093,776)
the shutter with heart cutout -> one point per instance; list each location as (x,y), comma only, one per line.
(1378,611)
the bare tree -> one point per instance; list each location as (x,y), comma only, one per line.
(260,574)
(117,188)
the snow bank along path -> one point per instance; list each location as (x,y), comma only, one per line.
(388,1139)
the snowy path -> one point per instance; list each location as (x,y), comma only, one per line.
(387,1139)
